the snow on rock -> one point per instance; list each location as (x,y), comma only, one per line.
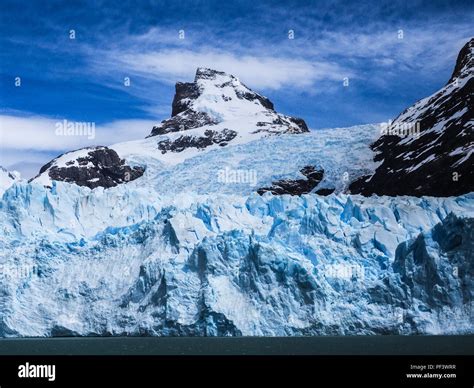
(428,149)
(215,111)
(7,178)
(215,98)
(92,167)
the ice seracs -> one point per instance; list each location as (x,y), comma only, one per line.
(130,261)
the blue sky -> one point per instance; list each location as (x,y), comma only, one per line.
(81,79)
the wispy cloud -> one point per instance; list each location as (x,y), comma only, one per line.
(259,71)
(26,143)
(39,133)
(431,46)
(316,56)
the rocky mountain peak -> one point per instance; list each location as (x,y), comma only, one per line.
(212,88)
(214,82)
(213,111)
(465,62)
(428,148)
(209,74)
(215,97)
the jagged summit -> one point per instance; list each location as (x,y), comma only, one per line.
(464,63)
(207,79)
(215,97)
(210,74)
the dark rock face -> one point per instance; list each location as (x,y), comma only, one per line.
(100,167)
(324,192)
(184,90)
(464,61)
(206,73)
(267,126)
(297,186)
(301,123)
(437,158)
(183,122)
(210,138)
(252,96)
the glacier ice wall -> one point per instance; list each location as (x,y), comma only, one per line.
(134,261)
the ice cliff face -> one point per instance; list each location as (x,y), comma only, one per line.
(130,261)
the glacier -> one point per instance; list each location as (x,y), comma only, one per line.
(133,261)
(343,153)
(179,251)
(168,235)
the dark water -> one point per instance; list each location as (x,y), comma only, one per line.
(349,345)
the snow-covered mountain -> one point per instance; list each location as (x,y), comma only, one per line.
(212,112)
(190,232)
(426,150)
(217,101)
(7,178)
(429,148)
